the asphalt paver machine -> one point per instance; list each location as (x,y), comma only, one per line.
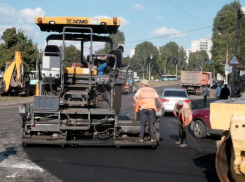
(74,105)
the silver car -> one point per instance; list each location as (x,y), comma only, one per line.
(170,96)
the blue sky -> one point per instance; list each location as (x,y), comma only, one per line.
(140,19)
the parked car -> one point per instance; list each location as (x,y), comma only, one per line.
(200,124)
(136,79)
(214,85)
(169,97)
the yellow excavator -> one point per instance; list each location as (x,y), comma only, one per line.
(229,116)
(15,80)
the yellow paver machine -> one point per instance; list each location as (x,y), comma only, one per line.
(75,105)
(229,116)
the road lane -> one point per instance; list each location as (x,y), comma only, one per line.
(167,163)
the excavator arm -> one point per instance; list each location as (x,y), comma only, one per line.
(8,78)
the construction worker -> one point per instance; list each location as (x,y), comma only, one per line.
(183,111)
(205,95)
(225,92)
(118,54)
(145,99)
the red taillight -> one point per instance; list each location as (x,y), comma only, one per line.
(187,101)
(115,20)
(183,88)
(39,20)
(164,100)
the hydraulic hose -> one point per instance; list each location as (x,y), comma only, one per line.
(104,120)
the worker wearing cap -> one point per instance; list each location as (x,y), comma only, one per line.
(183,111)
(145,99)
(118,54)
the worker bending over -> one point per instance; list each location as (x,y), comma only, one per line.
(182,110)
(145,99)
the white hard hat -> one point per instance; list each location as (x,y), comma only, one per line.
(145,82)
(180,102)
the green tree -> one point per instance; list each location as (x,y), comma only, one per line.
(143,54)
(181,59)
(224,29)
(164,54)
(171,55)
(198,61)
(172,60)
(17,41)
(117,39)
(72,55)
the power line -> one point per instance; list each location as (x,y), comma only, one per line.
(186,12)
(170,34)
(161,36)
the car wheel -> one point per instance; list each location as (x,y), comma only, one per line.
(199,129)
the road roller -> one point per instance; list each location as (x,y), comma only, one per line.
(229,116)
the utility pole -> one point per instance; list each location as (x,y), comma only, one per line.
(235,53)
(150,70)
(150,67)
(214,73)
(176,70)
(226,76)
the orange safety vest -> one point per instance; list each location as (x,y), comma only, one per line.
(147,98)
(185,106)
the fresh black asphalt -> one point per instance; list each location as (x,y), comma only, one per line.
(168,162)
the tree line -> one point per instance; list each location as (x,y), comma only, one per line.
(159,60)
(15,40)
(224,29)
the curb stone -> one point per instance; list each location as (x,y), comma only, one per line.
(16,103)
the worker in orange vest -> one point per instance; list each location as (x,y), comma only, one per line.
(145,100)
(183,111)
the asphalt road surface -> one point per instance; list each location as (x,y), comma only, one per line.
(167,163)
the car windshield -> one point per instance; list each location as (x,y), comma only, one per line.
(174,93)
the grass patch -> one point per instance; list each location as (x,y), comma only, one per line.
(10,98)
(155,84)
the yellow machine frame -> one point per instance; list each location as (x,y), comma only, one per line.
(229,116)
(8,74)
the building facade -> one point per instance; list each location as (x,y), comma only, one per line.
(132,52)
(199,45)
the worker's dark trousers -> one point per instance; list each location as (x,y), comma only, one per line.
(146,115)
(182,134)
(204,100)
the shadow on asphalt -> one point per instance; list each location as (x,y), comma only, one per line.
(29,146)
(9,151)
(168,114)
(198,103)
(207,162)
(214,137)
(174,137)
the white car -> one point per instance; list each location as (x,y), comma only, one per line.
(170,96)
(136,79)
